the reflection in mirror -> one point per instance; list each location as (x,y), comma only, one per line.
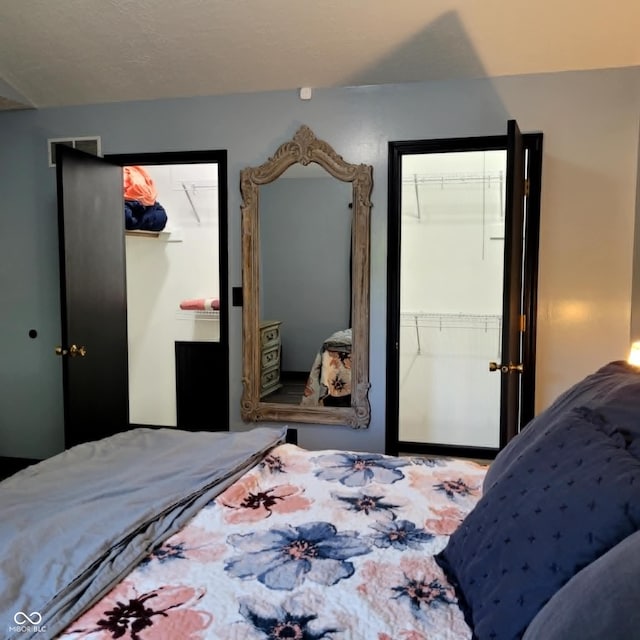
(305,262)
(305,282)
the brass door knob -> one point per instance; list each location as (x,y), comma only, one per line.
(73,351)
(506,368)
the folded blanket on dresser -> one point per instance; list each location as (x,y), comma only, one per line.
(74,525)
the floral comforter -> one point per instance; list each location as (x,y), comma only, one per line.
(306,545)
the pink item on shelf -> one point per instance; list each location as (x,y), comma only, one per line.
(138,185)
(201,304)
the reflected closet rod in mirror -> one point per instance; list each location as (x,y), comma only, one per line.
(305,149)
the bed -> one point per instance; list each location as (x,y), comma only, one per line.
(329,381)
(154,534)
(257,536)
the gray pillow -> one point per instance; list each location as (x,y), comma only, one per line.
(600,602)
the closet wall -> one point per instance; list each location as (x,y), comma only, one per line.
(181,263)
(451,297)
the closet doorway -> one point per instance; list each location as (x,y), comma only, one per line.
(462,276)
(126,341)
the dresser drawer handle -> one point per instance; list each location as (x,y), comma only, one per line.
(269,377)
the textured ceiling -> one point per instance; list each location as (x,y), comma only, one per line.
(69,52)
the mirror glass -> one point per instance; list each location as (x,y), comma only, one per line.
(305,224)
(305,281)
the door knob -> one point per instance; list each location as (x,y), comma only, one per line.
(77,351)
(506,368)
(72,351)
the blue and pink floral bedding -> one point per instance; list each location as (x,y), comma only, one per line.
(329,381)
(306,545)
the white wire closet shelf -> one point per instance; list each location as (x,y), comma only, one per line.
(198,314)
(418,320)
(423,319)
(478,177)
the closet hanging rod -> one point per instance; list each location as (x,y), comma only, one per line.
(452,178)
(433,314)
(450,320)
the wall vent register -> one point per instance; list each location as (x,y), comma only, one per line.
(88,144)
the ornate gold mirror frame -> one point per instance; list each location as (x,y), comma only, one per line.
(304,149)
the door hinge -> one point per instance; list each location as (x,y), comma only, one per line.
(523,323)
(526,187)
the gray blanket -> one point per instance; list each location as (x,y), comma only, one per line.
(74,525)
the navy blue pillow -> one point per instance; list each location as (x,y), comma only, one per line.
(571,497)
(613,391)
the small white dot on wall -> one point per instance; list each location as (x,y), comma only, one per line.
(305,93)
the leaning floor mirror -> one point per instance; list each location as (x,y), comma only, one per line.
(305,272)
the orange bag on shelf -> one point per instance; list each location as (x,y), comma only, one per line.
(138,185)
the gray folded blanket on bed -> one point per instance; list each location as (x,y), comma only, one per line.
(74,525)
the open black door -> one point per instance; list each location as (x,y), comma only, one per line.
(513,320)
(93,296)
(94,307)
(461,296)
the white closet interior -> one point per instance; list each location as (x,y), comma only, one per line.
(452,244)
(179,263)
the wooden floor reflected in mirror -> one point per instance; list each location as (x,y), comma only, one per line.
(292,389)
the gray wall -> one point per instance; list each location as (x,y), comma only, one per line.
(590,122)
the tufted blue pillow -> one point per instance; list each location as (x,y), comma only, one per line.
(571,497)
(613,391)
